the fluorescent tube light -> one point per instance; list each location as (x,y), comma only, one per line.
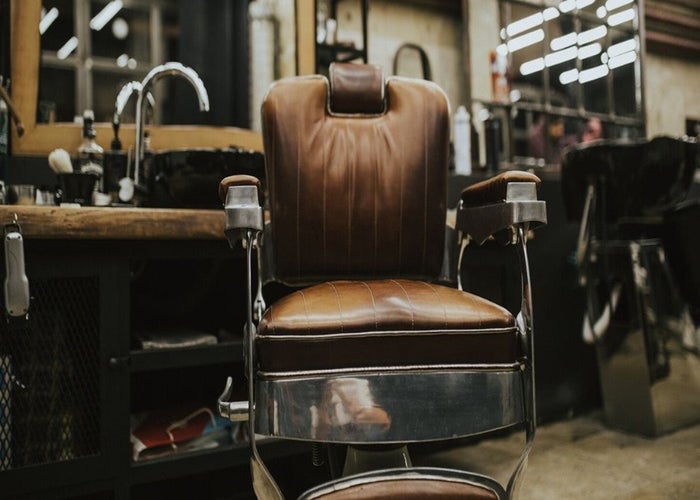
(561,56)
(47,20)
(591,35)
(533,66)
(567,5)
(601,12)
(502,49)
(563,41)
(569,76)
(582,4)
(550,13)
(67,48)
(622,47)
(621,17)
(622,59)
(525,40)
(524,24)
(589,50)
(106,14)
(588,75)
(615,4)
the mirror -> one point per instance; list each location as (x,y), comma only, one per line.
(40,138)
(571,71)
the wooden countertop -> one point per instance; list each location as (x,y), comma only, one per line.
(104,223)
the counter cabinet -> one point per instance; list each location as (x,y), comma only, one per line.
(72,375)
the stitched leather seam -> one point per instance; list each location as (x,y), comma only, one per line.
(413,315)
(340,308)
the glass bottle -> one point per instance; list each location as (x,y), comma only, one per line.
(90,154)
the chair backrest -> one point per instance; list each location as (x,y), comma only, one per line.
(356,174)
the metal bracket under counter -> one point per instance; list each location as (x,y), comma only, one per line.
(102,223)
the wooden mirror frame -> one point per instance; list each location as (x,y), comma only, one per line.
(39,138)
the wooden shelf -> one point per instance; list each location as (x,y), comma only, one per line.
(201,461)
(162,359)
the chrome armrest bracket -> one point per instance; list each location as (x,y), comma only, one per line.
(521,207)
(243,212)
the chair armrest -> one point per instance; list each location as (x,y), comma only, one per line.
(504,201)
(243,197)
(241,180)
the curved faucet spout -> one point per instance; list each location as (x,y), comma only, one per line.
(123,98)
(167,69)
(178,69)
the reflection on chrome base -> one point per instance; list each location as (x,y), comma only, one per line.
(390,407)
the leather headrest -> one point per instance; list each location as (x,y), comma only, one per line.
(356,89)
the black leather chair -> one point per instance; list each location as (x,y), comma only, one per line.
(623,192)
(370,352)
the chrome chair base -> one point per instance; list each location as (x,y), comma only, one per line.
(649,367)
(390,405)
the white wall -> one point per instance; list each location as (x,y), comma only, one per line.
(672,94)
(392,24)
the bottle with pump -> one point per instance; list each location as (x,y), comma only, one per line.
(462,142)
(90,154)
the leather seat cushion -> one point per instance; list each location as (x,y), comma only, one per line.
(423,489)
(360,324)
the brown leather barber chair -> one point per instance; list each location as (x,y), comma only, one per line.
(370,352)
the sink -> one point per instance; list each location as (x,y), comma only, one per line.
(189,178)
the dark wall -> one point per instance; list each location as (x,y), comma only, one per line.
(214,41)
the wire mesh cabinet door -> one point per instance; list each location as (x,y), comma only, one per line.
(56,419)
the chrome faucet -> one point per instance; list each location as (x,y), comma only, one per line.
(167,69)
(122,98)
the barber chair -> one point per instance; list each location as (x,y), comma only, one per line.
(622,191)
(370,352)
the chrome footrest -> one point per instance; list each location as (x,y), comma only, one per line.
(236,411)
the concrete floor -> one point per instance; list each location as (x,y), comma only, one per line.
(582,459)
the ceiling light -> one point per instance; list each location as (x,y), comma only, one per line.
(622,47)
(563,41)
(561,56)
(621,17)
(567,5)
(601,12)
(532,66)
(525,40)
(502,50)
(550,13)
(615,4)
(120,28)
(582,4)
(524,24)
(589,50)
(106,14)
(568,76)
(591,35)
(622,59)
(588,75)
(67,48)
(47,20)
